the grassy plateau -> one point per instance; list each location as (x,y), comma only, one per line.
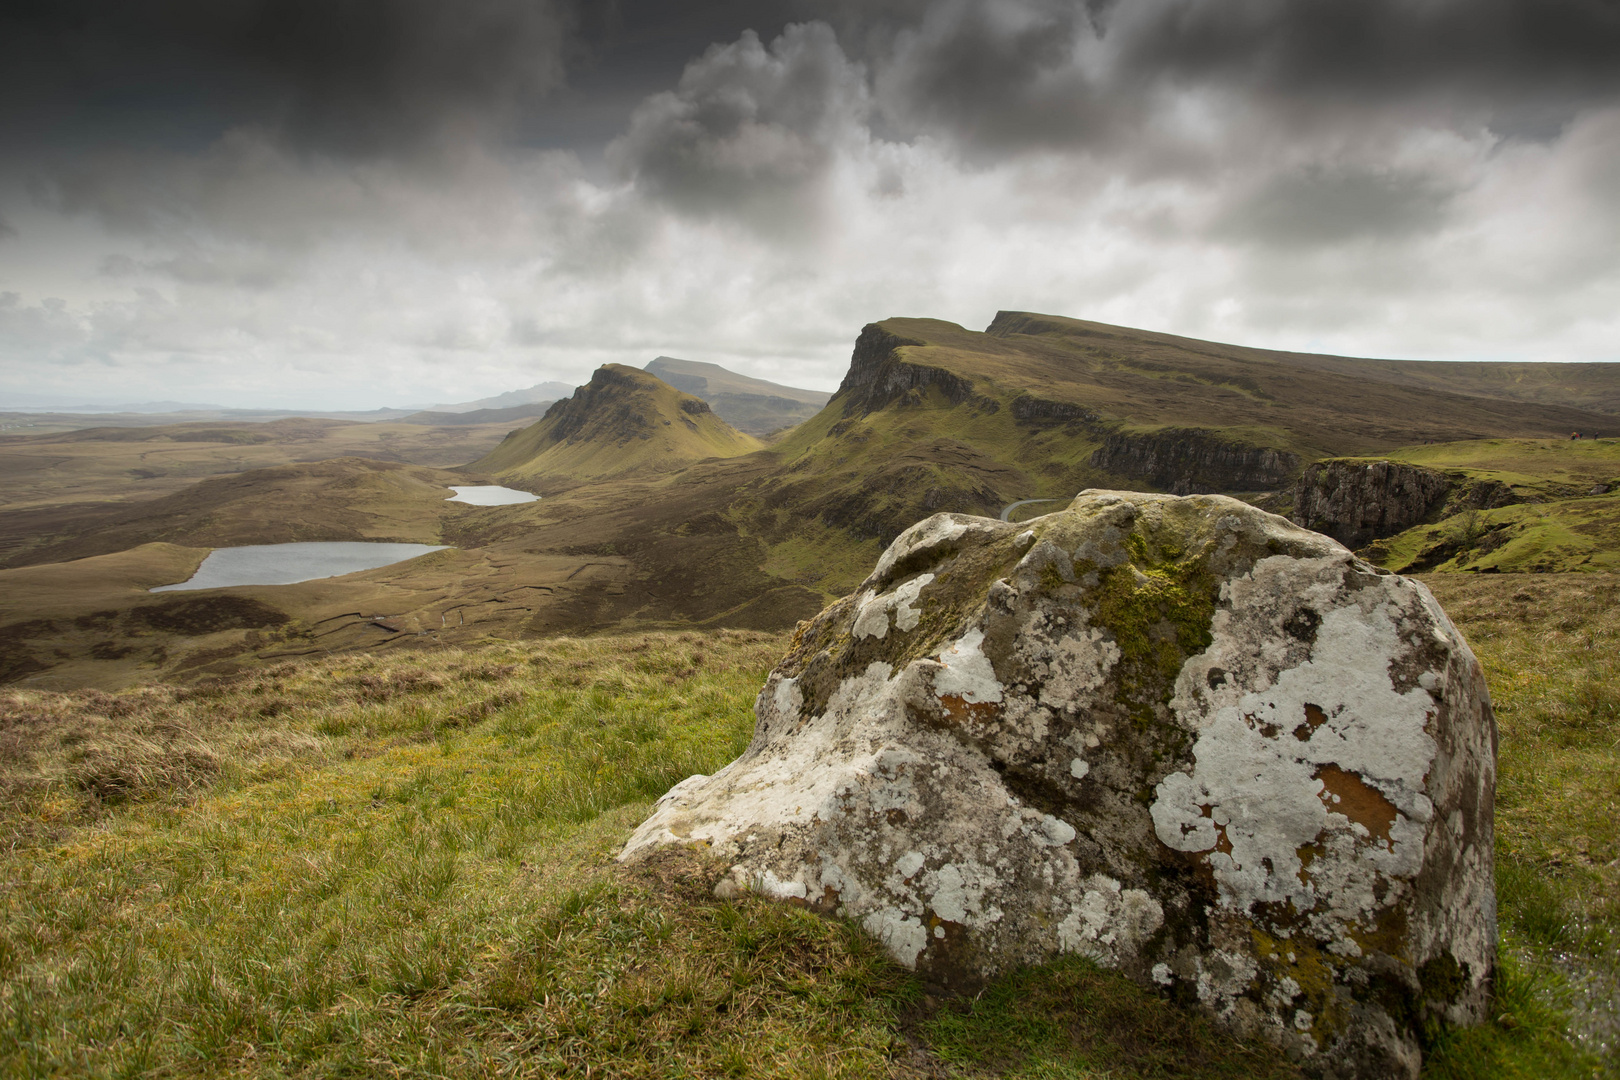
(401,866)
(1564,513)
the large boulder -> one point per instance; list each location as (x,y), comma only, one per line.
(1181,736)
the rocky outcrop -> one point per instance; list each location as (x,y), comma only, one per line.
(878,376)
(1033,410)
(611,401)
(1186,461)
(1179,735)
(1356,502)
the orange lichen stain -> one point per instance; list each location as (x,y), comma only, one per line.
(960,710)
(1348,794)
(1314,718)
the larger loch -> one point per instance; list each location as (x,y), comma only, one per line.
(288,564)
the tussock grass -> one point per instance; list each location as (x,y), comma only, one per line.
(401,866)
(1550,646)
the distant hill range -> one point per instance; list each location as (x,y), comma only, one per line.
(477,416)
(752,405)
(35,422)
(542,393)
(658,512)
(932,416)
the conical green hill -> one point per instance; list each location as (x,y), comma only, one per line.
(623,422)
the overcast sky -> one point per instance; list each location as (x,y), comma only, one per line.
(356,203)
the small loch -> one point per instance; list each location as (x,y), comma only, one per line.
(288,564)
(490,495)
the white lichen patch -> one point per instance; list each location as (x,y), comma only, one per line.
(1257,791)
(1109,922)
(872,618)
(903,935)
(967,672)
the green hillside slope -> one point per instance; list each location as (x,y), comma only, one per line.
(932,416)
(623,423)
(1592,387)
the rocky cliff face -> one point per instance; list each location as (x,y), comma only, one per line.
(610,406)
(1186,461)
(878,377)
(1030,409)
(1356,502)
(1182,737)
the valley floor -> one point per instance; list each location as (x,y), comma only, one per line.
(401,866)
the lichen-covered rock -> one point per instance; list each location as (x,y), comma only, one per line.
(1179,735)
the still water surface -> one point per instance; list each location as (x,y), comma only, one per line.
(491,495)
(287,564)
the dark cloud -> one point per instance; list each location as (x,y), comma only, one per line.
(344,77)
(1000,76)
(1505,53)
(750,130)
(415,193)
(370,75)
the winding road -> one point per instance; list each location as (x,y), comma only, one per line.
(1006,511)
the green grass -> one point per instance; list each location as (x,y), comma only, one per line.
(1556,524)
(1542,537)
(1550,646)
(1543,466)
(402,866)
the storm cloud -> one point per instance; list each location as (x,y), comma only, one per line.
(403,200)
(343,77)
(751,130)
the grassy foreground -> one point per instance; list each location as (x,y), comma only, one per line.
(402,867)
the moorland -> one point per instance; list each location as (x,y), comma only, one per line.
(361,824)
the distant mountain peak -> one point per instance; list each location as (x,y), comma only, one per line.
(623,422)
(756,406)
